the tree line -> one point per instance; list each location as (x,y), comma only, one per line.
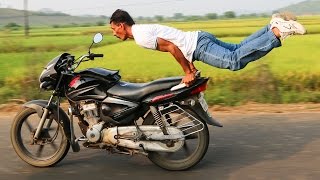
(208,16)
(156,18)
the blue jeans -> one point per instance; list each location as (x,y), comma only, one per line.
(223,55)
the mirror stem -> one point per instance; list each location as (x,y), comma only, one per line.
(90,47)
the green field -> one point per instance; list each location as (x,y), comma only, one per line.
(288,74)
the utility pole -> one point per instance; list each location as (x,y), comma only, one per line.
(26,18)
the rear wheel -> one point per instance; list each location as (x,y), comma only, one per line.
(194,148)
(51,146)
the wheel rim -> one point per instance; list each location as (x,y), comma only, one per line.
(190,148)
(49,142)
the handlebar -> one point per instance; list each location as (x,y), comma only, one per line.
(81,59)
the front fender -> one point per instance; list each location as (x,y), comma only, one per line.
(63,119)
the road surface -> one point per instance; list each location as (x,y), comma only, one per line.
(249,146)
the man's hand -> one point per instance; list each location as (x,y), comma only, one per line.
(188,79)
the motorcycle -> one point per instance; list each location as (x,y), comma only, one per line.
(161,119)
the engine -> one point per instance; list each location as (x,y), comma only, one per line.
(90,112)
(99,115)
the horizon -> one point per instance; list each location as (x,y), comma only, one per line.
(144,8)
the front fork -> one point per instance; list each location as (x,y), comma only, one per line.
(67,125)
(43,119)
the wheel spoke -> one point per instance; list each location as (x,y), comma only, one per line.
(186,148)
(54,146)
(192,136)
(27,142)
(169,155)
(39,151)
(28,126)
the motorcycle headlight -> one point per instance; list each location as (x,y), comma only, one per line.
(47,85)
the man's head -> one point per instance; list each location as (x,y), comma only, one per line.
(120,23)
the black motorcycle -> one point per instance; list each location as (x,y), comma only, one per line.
(159,119)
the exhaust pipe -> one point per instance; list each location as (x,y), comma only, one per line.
(121,136)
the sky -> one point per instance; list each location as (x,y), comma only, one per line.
(151,7)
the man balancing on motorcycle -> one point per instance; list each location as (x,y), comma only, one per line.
(187,47)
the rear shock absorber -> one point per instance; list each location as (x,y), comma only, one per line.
(159,121)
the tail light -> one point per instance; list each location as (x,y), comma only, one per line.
(199,89)
(162,97)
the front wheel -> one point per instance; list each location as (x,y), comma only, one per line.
(51,146)
(194,148)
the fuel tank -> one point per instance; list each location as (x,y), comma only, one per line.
(91,84)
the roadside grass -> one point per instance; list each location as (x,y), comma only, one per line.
(288,74)
(17,64)
(50,43)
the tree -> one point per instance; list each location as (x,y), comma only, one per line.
(140,18)
(100,23)
(12,26)
(194,18)
(229,14)
(159,18)
(104,17)
(178,16)
(252,15)
(211,16)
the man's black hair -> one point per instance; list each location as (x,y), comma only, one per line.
(121,16)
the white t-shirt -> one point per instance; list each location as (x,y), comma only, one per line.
(146,36)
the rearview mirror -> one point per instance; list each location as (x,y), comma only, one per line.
(97,38)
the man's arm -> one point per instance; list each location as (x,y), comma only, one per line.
(167,46)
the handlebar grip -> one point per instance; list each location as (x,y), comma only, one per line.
(98,55)
(92,56)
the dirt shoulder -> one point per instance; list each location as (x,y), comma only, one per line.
(250,108)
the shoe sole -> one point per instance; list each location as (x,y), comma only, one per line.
(299,27)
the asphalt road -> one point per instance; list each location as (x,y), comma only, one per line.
(255,146)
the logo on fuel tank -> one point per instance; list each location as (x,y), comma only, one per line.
(75,81)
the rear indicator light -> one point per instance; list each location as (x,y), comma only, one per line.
(199,89)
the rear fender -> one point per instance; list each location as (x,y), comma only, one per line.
(197,109)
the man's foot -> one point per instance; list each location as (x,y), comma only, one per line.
(287,28)
(285,16)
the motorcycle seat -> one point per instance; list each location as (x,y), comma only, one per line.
(136,91)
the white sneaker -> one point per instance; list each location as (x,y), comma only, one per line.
(287,28)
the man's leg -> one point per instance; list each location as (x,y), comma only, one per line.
(287,16)
(233,47)
(210,51)
(214,54)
